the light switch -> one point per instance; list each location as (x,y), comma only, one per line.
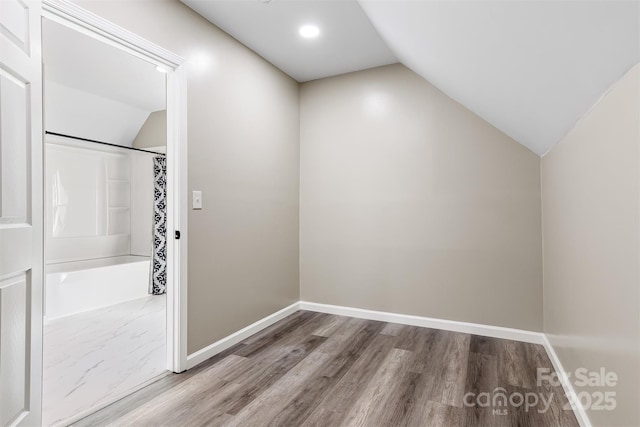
(197,200)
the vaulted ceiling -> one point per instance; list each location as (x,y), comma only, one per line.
(531,68)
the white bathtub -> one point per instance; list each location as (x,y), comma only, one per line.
(74,287)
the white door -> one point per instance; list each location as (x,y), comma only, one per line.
(21,262)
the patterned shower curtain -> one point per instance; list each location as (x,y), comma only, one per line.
(158,270)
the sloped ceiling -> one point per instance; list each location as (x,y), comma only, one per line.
(347,41)
(83,63)
(530,68)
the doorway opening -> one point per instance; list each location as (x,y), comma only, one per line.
(113,150)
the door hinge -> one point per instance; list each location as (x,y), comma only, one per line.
(177,235)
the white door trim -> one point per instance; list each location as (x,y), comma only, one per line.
(74,16)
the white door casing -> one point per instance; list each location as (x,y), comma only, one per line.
(21,213)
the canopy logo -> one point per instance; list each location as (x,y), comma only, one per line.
(598,400)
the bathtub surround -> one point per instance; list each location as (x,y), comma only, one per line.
(412,204)
(158,271)
(87,199)
(591,216)
(99,201)
(89,357)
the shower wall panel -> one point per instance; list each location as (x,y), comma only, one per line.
(88,202)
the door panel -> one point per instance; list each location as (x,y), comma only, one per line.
(14,23)
(13,352)
(14,129)
(21,213)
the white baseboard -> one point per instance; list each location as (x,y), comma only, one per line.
(200,356)
(403,319)
(579,411)
(428,322)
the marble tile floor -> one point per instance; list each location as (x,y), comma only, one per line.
(96,356)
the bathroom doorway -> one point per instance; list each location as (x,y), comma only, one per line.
(110,320)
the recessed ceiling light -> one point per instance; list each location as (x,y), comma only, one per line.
(162,69)
(309,31)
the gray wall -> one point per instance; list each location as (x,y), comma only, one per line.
(410,203)
(244,155)
(153,132)
(591,215)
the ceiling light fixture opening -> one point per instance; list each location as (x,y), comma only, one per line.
(309,31)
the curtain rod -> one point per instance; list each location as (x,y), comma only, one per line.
(103,143)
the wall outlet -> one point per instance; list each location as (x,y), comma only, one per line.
(197,200)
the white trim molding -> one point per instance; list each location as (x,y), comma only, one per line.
(428,322)
(578,410)
(208,352)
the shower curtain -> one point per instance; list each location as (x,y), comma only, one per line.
(158,270)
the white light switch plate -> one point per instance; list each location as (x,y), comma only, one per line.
(197,200)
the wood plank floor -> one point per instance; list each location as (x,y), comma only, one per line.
(314,369)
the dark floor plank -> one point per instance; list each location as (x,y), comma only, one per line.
(288,323)
(409,338)
(351,349)
(375,399)
(483,345)
(561,408)
(514,367)
(392,329)
(429,351)
(268,405)
(481,384)
(453,378)
(336,404)
(403,400)
(539,415)
(284,334)
(336,341)
(331,326)
(443,363)
(307,398)
(267,374)
(437,414)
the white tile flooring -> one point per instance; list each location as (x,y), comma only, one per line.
(92,357)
